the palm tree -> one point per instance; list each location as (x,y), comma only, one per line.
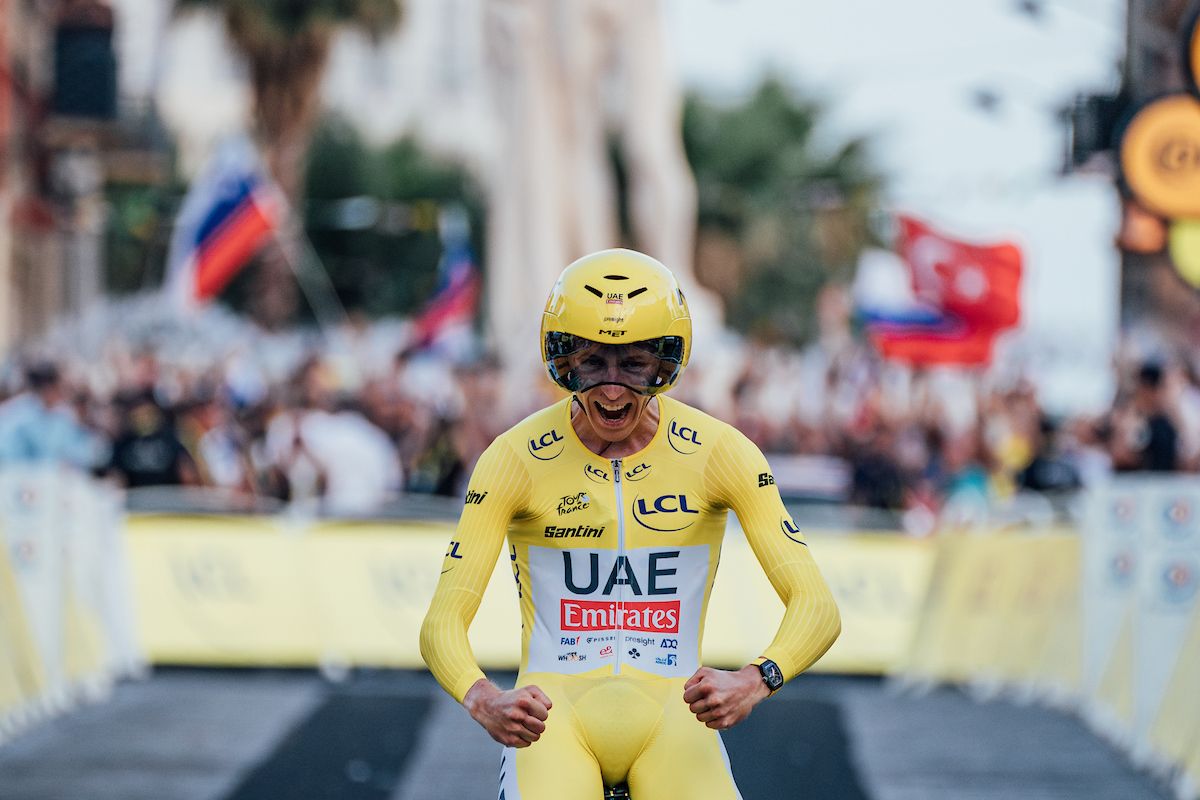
(286,46)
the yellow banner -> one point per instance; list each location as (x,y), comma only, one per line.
(12,693)
(243,591)
(1176,730)
(212,590)
(999,609)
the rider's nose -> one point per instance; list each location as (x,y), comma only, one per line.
(611,391)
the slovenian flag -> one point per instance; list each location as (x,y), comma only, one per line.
(229,212)
(451,309)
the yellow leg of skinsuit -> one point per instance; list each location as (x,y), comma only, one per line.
(608,730)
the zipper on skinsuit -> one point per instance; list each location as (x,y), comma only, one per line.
(619,565)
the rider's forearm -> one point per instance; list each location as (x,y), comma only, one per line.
(811,621)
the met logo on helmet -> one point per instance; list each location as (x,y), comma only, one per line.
(613,333)
(683,440)
(668,504)
(545,442)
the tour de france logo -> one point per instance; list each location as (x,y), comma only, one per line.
(1179,581)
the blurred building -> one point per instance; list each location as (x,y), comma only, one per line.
(1153,297)
(66,135)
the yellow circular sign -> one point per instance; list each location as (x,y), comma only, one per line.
(1160,156)
(1184,247)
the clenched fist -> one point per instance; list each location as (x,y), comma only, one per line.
(720,698)
(516,718)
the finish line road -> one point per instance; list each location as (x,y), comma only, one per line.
(279,735)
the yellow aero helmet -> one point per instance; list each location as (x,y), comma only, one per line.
(616,316)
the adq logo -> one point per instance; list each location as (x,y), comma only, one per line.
(670,506)
(546,447)
(683,440)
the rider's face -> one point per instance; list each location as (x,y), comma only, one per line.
(613,409)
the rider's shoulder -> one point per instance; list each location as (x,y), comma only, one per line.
(698,427)
(549,424)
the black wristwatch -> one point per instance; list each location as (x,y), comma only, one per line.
(771,675)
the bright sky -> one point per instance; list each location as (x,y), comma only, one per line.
(905,74)
(902,73)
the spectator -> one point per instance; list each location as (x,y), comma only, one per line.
(148,452)
(38,426)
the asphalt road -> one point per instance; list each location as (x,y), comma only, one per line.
(277,735)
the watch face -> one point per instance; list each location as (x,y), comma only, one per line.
(771,675)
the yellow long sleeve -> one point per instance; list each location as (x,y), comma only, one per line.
(739,474)
(498,491)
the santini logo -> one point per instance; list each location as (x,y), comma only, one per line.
(668,504)
(765,479)
(683,440)
(546,447)
(577,531)
(475,498)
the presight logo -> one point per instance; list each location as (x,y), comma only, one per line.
(638,473)
(595,474)
(667,505)
(540,447)
(683,440)
(791,531)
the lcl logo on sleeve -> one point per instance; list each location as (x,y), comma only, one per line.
(683,440)
(547,446)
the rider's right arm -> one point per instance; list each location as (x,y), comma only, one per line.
(498,492)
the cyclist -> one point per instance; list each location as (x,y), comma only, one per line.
(614,503)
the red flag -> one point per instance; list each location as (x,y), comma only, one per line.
(980,284)
(969,293)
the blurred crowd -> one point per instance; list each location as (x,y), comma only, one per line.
(346,422)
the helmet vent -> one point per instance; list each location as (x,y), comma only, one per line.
(635,293)
(594,290)
(616,277)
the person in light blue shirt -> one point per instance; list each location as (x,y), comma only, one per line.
(37,426)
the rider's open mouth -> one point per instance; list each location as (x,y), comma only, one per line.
(614,414)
